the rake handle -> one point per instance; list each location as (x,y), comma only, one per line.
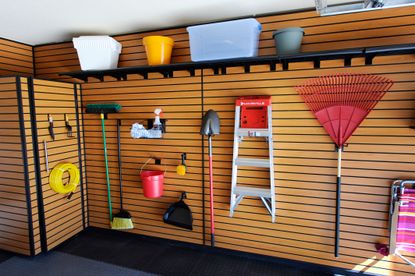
(338,193)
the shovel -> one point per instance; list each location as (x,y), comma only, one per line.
(179,214)
(210,127)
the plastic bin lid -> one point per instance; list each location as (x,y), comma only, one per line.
(209,25)
(292,29)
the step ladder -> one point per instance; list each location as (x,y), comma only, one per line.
(243,129)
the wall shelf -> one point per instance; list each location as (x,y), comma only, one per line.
(220,66)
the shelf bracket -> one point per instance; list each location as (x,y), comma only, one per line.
(347,61)
(223,70)
(316,63)
(273,66)
(215,70)
(247,68)
(191,72)
(144,75)
(369,59)
(284,65)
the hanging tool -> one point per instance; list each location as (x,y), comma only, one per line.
(340,103)
(179,214)
(68,126)
(56,179)
(181,169)
(103,110)
(253,118)
(210,127)
(51,132)
(45,147)
(121,220)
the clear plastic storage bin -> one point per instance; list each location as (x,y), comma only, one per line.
(97,52)
(230,39)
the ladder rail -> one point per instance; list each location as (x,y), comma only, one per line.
(234,159)
(271,162)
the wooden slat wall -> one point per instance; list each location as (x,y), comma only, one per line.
(63,218)
(180,98)
(15,58)
(14,223)
(380,151)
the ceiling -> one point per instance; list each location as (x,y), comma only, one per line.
(46,21)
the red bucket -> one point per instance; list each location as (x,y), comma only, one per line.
(152,182)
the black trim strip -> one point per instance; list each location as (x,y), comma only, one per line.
(35,142)
(25,165)
(78,133)
(83,144)
(33,62)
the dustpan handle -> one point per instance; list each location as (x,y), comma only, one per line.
(148,160)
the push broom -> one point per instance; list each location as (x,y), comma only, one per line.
(340,103)
(103,110)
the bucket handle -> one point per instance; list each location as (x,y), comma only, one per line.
(148,160)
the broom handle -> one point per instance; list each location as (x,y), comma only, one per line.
(212,216)
(119,159)
(338,191)
(106,165)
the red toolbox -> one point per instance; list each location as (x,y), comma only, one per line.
(254,111)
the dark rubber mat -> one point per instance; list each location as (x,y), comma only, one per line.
(4,255)
(165,257)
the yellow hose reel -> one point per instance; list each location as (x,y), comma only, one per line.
(56,179)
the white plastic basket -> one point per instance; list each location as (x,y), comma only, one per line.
(97,52)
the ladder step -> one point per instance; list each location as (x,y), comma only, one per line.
(249,191)
(253,132)
(252,162)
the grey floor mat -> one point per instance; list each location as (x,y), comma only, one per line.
(63,264)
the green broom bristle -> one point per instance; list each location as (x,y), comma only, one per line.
(103,108)
(122,221)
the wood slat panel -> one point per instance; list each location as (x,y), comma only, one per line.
(62,149)
(15,58)
(14,223)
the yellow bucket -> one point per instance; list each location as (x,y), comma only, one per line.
(158,49)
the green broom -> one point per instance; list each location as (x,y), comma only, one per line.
(103,110)
(122,220)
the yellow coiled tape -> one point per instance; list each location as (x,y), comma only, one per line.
(56,178)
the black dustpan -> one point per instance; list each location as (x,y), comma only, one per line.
(179,214)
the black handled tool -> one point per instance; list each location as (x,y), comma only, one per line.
(51,133)
(68,126)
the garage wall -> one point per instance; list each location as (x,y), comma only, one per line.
(380,151)
(15,58)
(16,217)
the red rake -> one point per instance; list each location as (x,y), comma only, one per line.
(340,103)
